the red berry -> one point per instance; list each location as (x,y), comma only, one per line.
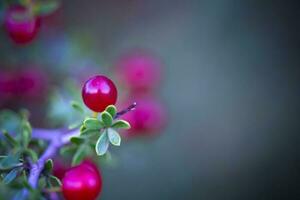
(99,92)
(139,71)
(21,25)
(148,118)
(82,182)
(27,84)
(60,168)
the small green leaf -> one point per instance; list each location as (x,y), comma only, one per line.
(111,109)
(89,132)
(79,155)
(11,176)
(32,154)
(106,118)
(74,125)
(45,7)
(9,162)
(10,139)
(77,106)
(70,149)
(93,123)
(114,137)
(55,181)
(48,166)
(82,128)
(77,140)
(25,182)
(26,133)
(122,124)
(102,144)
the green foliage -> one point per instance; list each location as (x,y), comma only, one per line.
(11,176)
(102,144)
(96,134)
(121,124)
(106,119)
(102,129)
(114,137)
(80,154)
(54,181)
(112,110)
(10,139)
(48,166)
(93,123)
(10,162)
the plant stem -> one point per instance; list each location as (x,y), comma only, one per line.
(57,139)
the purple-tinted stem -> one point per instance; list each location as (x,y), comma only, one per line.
(57,139)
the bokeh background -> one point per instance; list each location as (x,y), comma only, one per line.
(230,85)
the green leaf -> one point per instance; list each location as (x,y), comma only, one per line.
(11,176)
(10,139)
(122,124)
(77,140)
(77,106)
(102,144)
(32,154)
(114,137)
(89,132)
(55,181)
(79,155)
(70,149)
(93,123)
(26,133)
(9,162)
(74,125)
(10,121)
(106,118)
(25,182)
(48,166)
(112,110)
(45,7)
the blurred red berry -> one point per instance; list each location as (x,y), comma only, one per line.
(82,182)
(59,169)
(21,25)
(148,118)
(21,85)
(139,71)
(99,92)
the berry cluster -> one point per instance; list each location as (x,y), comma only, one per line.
(140,72)
(83,180)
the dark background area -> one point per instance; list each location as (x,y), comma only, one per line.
(231,86)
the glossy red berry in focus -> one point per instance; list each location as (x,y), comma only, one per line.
(148,118)
(21,25)
(139,70)
(82,182)
(99,92)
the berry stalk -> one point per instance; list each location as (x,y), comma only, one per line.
(57,138)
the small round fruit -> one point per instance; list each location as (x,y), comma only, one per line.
(82,182)
(99,92)
(139,70)
(21,25)
(148,118)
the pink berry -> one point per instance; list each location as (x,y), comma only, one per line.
(21,25)
(99,92)
(148,118)
(82,182)
(24,84)
(139,71)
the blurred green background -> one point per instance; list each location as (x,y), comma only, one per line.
(230,86)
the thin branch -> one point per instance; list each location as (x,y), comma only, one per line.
(57,139)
